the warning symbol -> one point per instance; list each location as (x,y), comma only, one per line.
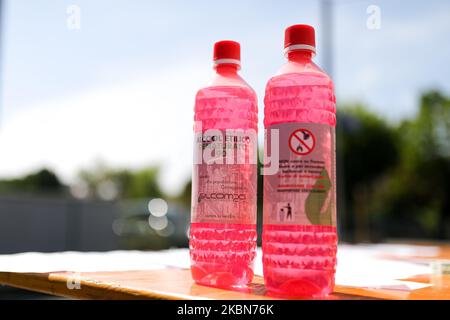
(302,142)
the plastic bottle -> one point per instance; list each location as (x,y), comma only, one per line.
(299,228)
(223,219)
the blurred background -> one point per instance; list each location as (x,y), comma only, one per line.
(97,108)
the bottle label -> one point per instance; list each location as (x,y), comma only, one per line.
(224,177)
(302,191)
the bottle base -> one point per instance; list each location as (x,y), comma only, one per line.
(231,277)
(222,255)
(299,260)
(304,284)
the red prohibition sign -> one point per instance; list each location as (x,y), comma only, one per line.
(302,142)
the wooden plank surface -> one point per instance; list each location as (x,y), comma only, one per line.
(169,283)
(177,284)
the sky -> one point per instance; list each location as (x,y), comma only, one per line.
(120,89)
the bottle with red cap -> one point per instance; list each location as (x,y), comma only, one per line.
(299,219)
(223,218)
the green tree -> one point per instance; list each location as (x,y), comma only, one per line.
(130,184)
(42,181)
(185,197)
(366,151)
(417,194)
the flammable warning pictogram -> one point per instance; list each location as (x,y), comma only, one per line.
(302,142)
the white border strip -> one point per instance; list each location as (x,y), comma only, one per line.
(222,61)
(300,47)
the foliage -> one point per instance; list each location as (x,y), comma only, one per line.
(129,184)
(42,181)
(417,193)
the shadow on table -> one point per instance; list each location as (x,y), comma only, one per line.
(11,293)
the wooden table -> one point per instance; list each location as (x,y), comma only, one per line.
(176,283)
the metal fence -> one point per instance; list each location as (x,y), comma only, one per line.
(54,224)
(51,224)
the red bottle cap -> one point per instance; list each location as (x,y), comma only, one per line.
(227,51)
(300,37)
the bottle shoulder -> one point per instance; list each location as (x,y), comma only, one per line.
(300,73)
(300,92)
(225,84)
(227,104)
(232,80)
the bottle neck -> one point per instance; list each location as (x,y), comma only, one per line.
(299,55)
(227,69)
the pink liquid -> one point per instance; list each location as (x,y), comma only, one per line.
(223,254)
(300,260)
